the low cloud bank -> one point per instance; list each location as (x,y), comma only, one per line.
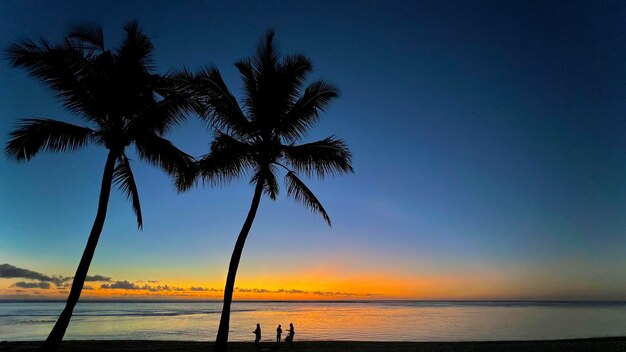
(302,292)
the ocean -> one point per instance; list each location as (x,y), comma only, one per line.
(359,321)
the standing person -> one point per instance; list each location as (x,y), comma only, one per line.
(257,334)
(279,332)
(291,333)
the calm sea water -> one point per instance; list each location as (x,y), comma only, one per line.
(364,321)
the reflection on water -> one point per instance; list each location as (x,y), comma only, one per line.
(364,321)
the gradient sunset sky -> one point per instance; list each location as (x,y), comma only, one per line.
(489,143)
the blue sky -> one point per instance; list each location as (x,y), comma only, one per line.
(488,143)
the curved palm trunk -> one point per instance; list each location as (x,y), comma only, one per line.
(58,331)
(222,332)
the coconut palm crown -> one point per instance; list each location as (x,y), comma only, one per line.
(122,102)
(258,138)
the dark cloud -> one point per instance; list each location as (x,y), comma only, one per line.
(165,288)
(159,288)
(125,285)
(322,293)
(98,278)
(255,290)
(294,291)
(203,289)
(42,284)
(150,288)
(9,271)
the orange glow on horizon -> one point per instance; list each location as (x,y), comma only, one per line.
(316,284)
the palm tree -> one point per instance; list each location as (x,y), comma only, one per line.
(123,102)
(259,139)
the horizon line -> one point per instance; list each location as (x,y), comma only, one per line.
(182,300)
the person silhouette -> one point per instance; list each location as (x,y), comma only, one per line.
(279,331)
(257,334)
(291,333)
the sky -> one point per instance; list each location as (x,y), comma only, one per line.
(488,143)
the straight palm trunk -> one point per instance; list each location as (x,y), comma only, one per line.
(221,342)
(58,331)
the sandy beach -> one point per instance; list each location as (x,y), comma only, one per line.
(595,344)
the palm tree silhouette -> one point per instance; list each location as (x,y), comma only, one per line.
(125,103)
(259,138)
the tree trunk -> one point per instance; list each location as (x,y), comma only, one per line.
(222,332)
(58,331)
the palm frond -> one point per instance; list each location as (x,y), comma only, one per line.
(229,159)
(182,82)
(125,181)
(278,89)
(300,192)
(225,113)
(249,76)
(270,184)
(183,76)
(34,135)
(160,152)
(89,34)
(136,49)
(294,70)
(305,111)
(266,58)
(161,116)
(329,156)
(265,110)
(62,67)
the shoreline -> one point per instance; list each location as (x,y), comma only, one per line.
(588,344)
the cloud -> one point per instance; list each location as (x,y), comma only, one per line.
(98,278)
(203,289)
(42,284)
(294,291)
(124,285)
(9,271)
(150,288)
(255,290)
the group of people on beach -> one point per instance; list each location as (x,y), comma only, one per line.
(279,331)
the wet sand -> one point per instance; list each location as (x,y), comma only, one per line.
(596,344)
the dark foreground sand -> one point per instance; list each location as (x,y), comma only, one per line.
(599,344)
